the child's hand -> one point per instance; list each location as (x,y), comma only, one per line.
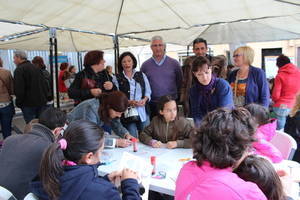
(114,175)
(156,144)
(128,173)
(172,145)
(123,143)
(129,137)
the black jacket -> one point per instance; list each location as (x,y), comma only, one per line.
(20,159)
(292,127)
(81,182)
(30,85)
(80,94)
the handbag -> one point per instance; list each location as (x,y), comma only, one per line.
(88,83)
(131,114)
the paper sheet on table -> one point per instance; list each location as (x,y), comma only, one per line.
(139,165)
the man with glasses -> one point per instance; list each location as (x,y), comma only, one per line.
(163,72)
(200,48)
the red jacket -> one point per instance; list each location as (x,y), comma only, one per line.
(286,85)
(61,83)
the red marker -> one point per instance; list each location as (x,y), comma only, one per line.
(135,146)
(153,163)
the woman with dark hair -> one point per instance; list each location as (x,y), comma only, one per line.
(167,129)
(7,109)
(249,84)
(39,62)
(90,82)
(208,92)
(285,89)
(137,89)
(105,111)
(69,168)
(221,142)
(62,76)
(260,171)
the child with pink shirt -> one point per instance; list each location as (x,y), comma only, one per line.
(265,132)
(220,144)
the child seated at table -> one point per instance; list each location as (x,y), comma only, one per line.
(260,171)
(167,129)
(264,133)
(69,168)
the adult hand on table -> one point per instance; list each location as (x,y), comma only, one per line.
(128,173)
(130,137)
(123,143)
(156,144)
(172,145)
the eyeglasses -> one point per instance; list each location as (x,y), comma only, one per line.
(157,45)
(237,55)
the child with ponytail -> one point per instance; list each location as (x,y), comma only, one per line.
(69,168)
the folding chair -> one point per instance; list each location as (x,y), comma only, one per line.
(5,194)
(31,196)
(285,143)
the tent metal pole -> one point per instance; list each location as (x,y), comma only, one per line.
(116,52)
(79,59)
(56,73)
(188,50)
(51,66)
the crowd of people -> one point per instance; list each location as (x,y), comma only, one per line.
(58,156)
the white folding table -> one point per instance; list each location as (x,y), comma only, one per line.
(167,160)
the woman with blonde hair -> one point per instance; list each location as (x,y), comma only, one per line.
(249,83)
(292,126)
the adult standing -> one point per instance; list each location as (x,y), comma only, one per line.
(208,92)
(164,74)
(285,89)
(7,109)
(62,76)
(137,89)
(30,87)
(200,48)
(39,62)
(249,84)
(292,126)
(89,83)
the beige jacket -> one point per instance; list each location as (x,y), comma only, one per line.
(162,131)
(6,85)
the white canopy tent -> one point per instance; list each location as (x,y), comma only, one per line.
(91,24)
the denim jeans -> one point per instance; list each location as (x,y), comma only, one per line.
(281,114)
(6,116)
(135,128)
(30,113)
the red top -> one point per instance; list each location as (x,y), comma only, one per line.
(61,83)
(286,86)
